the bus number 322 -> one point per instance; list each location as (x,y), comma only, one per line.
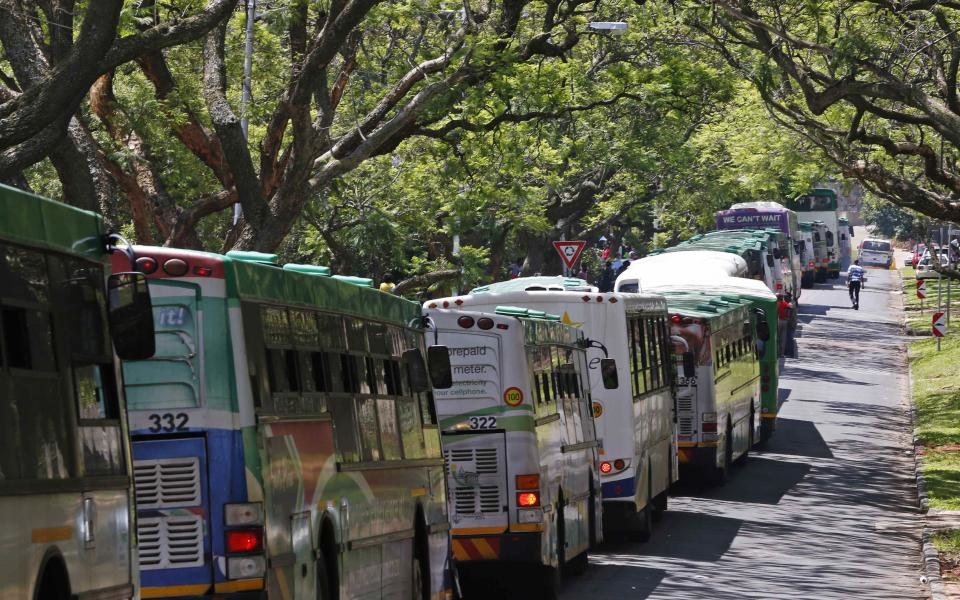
(483,422)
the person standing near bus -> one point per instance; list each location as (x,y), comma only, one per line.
(855,279)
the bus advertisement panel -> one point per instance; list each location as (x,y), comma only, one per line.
(519,444)
(64,447)
(284,437)
(635,417)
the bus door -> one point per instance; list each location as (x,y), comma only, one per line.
(477,482)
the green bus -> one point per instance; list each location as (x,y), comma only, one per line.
(821,205)
(285,440)
(64,450)
(718,386)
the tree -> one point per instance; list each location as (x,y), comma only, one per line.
(872,83)
(56,49)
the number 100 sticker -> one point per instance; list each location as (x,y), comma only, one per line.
(513,396)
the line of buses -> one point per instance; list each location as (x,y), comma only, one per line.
(176,423)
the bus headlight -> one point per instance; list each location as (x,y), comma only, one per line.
(246,567)
(530,515)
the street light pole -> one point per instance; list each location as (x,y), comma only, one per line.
(247,84)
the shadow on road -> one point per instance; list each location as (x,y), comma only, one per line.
(760,481)
(687,535)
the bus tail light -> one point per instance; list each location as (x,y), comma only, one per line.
(238,515)
(779,286)
(528,482)
(528,499)
(175,267)
(709,427)
(606,467)
(813,264)
(202,271)
(485,323)
(465,322)
(146,265)
(619,464)
(244,541)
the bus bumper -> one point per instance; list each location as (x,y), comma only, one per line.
(181,592)
(506,547)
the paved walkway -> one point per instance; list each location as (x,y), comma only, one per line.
(828,511)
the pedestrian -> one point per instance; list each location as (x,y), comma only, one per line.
(607,278)
(582,273)
(856,277)
(387,285)
(515,269)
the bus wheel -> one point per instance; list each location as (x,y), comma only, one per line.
(323,580)
(54,583)
(641,526)
(420,578)
(553,577)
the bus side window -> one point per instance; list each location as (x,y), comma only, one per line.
(411,429)
(341,409)
(389,431)
(375,376)
(350,373)
(369,429)
(392,379)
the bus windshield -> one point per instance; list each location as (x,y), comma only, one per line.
(171,378)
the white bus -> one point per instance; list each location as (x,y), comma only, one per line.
(518,442)
(64,460)
(635,419)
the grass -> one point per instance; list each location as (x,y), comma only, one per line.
(936,393)
(946,541)
(920,320)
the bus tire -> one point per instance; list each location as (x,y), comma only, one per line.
(323,580)
(743,458)
(420,576)
(553,576)
(721,474)
(641,525)
(53,583)
(328,585)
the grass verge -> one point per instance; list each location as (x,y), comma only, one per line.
(936,394)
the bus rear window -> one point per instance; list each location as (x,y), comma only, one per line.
(876,246)
(171,379)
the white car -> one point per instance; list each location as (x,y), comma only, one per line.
(876,252)
(925,266)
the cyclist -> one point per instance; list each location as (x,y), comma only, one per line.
(855,279)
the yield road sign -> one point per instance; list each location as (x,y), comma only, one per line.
(922,289)
(569,251)
(939,324)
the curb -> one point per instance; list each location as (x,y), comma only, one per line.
(931,567)
(931,558)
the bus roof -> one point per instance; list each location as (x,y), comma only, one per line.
(728,286)
(256,276)
(37,221)
(503,299)
(700,305)
(762,204)
(538,283)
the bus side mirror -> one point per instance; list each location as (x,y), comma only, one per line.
(851,230)
(689,365)
(413,359)
(438,361)
(131,316)
(608,372)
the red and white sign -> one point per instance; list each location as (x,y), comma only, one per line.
(939,324)
(569,251)
(922,289)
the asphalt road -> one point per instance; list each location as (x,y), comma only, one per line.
(827,510)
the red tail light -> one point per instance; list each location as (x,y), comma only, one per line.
(605,467)
(709,427)
(465,322)
(202,271)
(242,541)
(813,264)
(528,499)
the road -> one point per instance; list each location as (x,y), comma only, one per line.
(827,510)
